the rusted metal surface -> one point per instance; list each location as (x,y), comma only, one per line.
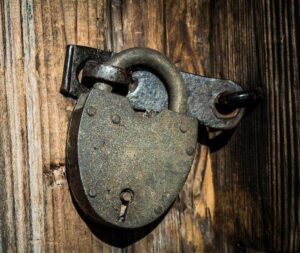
(76,57)
(162,66)
(149,92)
(106,72)
(202,94)
(125,168)
(115,149)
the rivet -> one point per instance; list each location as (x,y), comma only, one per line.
(183,129)
(116,119)
(92,193)
(91,110)
(190,151)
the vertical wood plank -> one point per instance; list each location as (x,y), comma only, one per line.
(186,228)
(187,33)
(33,130)
(38,214)
(247,197)
(257,172)
(16,129)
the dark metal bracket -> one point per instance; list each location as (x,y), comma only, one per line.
(75,59)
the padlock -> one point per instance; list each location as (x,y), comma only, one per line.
(125,168)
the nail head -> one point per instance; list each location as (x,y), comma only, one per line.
(190,151)
(92,193)
(91,110)
(116,119)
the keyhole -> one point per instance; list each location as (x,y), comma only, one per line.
(126,196)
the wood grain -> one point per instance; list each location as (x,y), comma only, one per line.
(257,173)
(245,198)
(181,228)
(38,214)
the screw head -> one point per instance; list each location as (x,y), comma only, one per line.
(91,111)
(116,119)
(190,151)
(92,193)
(183,129)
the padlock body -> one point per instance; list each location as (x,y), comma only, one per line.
(112,148)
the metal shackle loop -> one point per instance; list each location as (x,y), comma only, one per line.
(160,64)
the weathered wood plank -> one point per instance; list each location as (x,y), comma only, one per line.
(257,173)
(187,45)
(249,198)
(181,227)
(38,214)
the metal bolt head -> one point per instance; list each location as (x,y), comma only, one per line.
(190,151)
(92,193)
(116,119)
(91,111)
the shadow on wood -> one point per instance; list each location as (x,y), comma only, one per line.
(217,139)
(116,237)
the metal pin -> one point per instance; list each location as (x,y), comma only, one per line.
(228,102)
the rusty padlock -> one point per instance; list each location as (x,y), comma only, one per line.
(125,168)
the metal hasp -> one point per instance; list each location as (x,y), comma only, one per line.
(147,91)
(129,156)
(125,168)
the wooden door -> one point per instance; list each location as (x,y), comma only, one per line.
(242,194)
